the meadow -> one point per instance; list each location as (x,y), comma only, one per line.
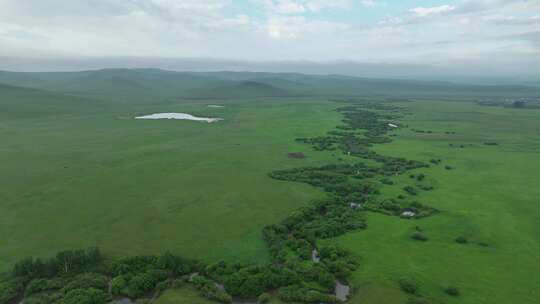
(93,176)
(489,197)
(79,171)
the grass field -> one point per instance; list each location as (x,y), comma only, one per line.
(98,177)
(489,197)
(80,172)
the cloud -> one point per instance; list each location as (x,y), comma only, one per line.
(370,3)
(287,7)
(273,29)
(512,20)
(430,11)
(298,26)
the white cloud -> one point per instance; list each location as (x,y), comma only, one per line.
(369,3)
(289,7)
(286,7)
(286,30)
(293,27)
(429,11)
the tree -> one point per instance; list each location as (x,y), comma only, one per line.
(85,296)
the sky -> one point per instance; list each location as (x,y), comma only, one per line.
(500,33)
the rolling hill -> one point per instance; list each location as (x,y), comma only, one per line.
(154,85)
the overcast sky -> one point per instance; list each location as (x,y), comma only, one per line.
(488,32)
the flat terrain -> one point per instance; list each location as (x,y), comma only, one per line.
(489,197)
(79,172)
(99,177)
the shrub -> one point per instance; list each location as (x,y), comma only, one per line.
(118,284)
(263,298)
(140,284)
(387,181)
(448,167)
(435,161)
(87,280)
(40,285)
(408,286)
(411,190)
(452,291)
(9,290)
(85,296)
(418,236)
(461,240)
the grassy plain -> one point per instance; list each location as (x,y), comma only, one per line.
(490,196)
(80,172)
(91,175)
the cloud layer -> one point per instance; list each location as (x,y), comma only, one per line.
(479,32)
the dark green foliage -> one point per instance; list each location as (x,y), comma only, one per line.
(302,294)
(143,283)
(408,286)
(85,281)
(83,275)
(387,181)
(208,289)
(263,298)
(418,236)
(452,291)
(425,188)
(85,296)
(41,285)
(118,285)
(65,262)
(448,167)
(10,290)
(44,298)
(411,190)
(461,240)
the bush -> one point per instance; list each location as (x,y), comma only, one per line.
(452,291)
(140,284)
(87,280)
(408,286)
(418,236)
(263,298)
(387,181)
(44,298)
(461,240)
(40,285)
(10,290)
(118,284)
(85,296)
(411,190)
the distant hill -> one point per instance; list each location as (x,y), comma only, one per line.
(154,85)
(19,102)
(244,89)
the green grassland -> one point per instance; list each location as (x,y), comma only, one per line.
(93,175)
(79,171)
(489,197)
